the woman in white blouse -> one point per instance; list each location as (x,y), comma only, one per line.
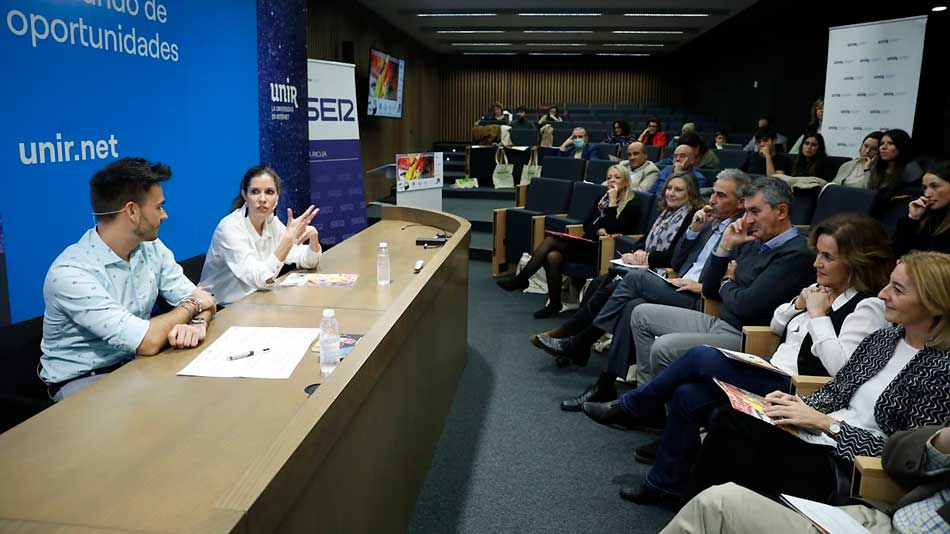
(250,245)
(821,328)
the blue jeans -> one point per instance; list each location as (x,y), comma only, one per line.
(688,387)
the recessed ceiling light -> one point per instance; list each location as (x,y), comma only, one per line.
(654,32)
(558,31)
(560,14)
(666,14)
(555,54)
(556,44)
(470,31)
(456,14)
(481,44)
(488,53)
(620,54)
(638,45)
(938,9)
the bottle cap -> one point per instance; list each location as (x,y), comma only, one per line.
(383,244)
(328,313)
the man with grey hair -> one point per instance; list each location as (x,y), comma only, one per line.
(639,286)
(762,260)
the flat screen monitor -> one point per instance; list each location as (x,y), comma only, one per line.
(386,76)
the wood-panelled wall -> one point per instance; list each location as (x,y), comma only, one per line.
(467,93)
(331,23)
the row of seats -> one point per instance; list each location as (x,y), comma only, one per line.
(562,205)
(481,163)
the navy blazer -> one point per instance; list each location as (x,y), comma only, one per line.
(589,153)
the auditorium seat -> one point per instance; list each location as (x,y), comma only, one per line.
(646,214)
(804,202)
(584,198)
(562,130)
(518,158)
(480,164)
(563,168)
(731,159)
(654,153)
(524,136)
(831,169)
(605,150)
(836,199)
(22,393)
(596,171)
(513,228)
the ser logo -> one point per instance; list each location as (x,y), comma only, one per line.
(331,110)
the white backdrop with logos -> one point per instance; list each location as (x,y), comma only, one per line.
(872,79)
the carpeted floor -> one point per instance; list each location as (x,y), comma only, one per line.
(509,460)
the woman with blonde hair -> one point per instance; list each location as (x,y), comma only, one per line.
(897,379)
(610,216)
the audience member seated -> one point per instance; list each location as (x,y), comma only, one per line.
(814,123)
(764,123)
(687,128)
(917,458)
(684,160)
(497,115)
(100,291)
(610,302)
(577,146)
(620,134)
(857,172)
(705,158)
(251,245)
(653,134)
(895,176)
(897,379)
(928,217)
(546,129)
(612,217)
(720,139)
(643,172)
(820,329)
(521,119)
(760,262)
(766,161)
(812,160)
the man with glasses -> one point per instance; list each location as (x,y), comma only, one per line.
(100,291)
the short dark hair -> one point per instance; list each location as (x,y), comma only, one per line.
(122,181)
(693,140)
(519,109)
(765,133)
(659,125)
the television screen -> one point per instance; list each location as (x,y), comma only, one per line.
(385,85)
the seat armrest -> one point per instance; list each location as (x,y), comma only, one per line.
(874,483)
(711,307)
(499,260)
(537,231)
(575,229)
(606,248)
(807,384)
(759,340)
(521,195)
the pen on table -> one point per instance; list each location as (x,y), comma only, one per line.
(618,253)
(246,354)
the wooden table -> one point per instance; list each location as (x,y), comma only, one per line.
(144,450)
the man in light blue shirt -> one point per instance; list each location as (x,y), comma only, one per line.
(100,291)
(684,157)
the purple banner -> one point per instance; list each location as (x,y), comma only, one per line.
(336,187)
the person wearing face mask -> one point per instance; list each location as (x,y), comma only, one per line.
(99,293)
(857,172)
(928,217)
(643,172)
(577,146)
(251,245)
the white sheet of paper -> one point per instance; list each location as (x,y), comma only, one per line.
(287,346)
(751,359)
(831,519)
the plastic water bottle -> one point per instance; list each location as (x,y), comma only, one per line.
(382,264)
(329,343)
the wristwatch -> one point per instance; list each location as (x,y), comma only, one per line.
(834,430)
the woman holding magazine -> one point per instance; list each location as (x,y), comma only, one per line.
(820,330)
(612,215)
(897,379)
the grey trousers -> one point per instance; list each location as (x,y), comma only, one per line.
(662,334)
(637,287)
(733,509)
(73,387)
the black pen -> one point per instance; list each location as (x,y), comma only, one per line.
(246,354)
